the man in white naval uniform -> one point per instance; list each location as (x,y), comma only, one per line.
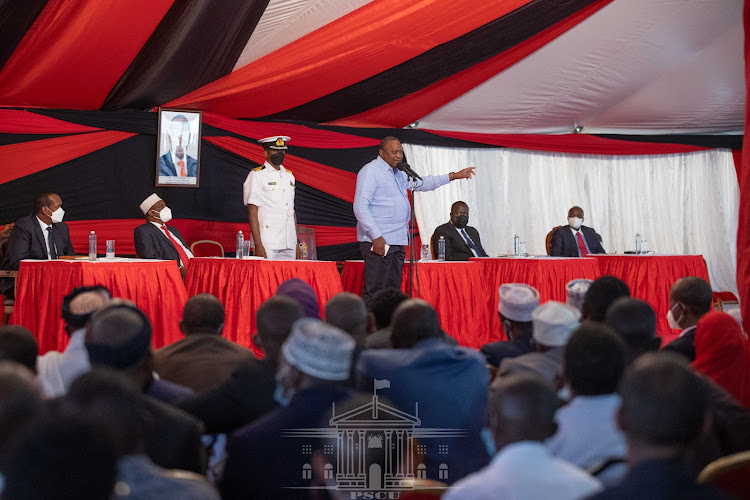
(269,195)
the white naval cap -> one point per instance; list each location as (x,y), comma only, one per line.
(319,349)
(275,142)
(518,301)
(149,202)
(576,290)
(554,323)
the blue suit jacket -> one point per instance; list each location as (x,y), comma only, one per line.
(167,167)
(450,383)
(563,243)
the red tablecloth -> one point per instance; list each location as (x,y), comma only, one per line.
(243,285)
(156,287)
(547,274)
(650,277)
(455,289)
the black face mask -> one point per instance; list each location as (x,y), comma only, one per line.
(461,221)
(277,158)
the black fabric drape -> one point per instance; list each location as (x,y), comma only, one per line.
(438,63)
(206,36)
(706,141)
(16,17)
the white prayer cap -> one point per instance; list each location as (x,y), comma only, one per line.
(149,202)
(319,349)
(554,322)
(517,301)
(576,292)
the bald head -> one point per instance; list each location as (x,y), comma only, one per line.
(203,314)
(348,312)
(274,321)
(413,321)
(522,408)
(694,293)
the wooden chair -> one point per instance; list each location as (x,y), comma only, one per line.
(424,489)
(730,474)
(548,239)
(207,248)
(724,298)
(8,304)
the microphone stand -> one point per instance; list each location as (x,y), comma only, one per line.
(412,224)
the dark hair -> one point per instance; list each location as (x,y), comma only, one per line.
(42,200)
(600,296)
(202,313)
(65,458)
(635,322)
(118,336)
(18,344)
(414,320)
(594,360)
(663,401)
(526,402)
(384,303)
(20,401)
(386,140)
(348,312)
(695,293)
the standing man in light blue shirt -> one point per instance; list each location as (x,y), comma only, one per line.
(381,205)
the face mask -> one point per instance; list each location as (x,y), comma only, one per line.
(674,324)
(277,158)
(461,221)
(165,214)
(575,222)
(57,215)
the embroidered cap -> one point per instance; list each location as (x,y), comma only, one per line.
(319,349)
(518,301)
(275,142)
(149,202)
(554,323)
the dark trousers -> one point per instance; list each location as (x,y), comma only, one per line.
(381,272)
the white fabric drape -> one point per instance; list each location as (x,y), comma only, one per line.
(681,204)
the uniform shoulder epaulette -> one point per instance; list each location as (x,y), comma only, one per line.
(258,169)
(287,170)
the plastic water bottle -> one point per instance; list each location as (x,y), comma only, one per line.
(92,246)
(516,246)
(644,247)
(240,244)
(638,241)
(441,249)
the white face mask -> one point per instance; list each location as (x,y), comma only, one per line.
(57,215)
(575,222)
(674,324)
(165,214)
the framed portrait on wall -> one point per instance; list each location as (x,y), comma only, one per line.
(179,148)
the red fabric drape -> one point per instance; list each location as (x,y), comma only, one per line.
(302,136)
(737,157)
(16,121)
(121,230)
(334,181)
(572,143)
(76,50)
(27,158)
(743,225)
(372,39)
(408,109)
(243,285)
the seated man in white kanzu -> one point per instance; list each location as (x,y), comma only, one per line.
(156,240)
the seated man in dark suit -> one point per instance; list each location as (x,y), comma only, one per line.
(689,299)
(156,240)
(517,303)
(461,240)
(575,240)
(176,162)
(41,235)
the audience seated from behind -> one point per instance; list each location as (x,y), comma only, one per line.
(20,403)
(600,295)
(575,291)
(635,322)
(586,434)
(382,305)
(112,401)
(349,313)
(18,344)
(522,409)
(689,299)
(119,337)
(553,324)
(204,359)
(664,409)
(517,303)
(57,370)
(248,393)
(303,293)
(449,383)
(313,369)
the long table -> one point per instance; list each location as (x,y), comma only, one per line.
(243,285)
(156,287)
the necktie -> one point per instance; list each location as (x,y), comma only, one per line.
(581,244)
(471,244)
(51,238)
(181,163)
(183,256)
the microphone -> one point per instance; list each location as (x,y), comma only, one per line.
(404,167)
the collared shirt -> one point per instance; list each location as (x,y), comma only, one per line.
(44,227)
(465,236)
(381,202)
(586,432)
(525,470)
(687,330)
(58,370)
(272,191)
(576,232)
(177,166)
(187,250)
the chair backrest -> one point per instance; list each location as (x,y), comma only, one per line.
(548,239)
(730,474)
(306,237)
(207,248)
(724,298)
